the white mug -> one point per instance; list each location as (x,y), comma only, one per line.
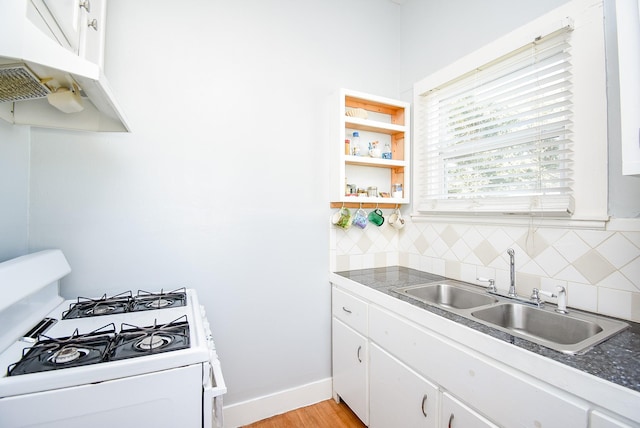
(396,220)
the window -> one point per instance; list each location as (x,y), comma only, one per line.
(506,135)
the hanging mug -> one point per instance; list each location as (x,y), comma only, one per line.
(360,218)
(376,217)
(342,218)
(396,219)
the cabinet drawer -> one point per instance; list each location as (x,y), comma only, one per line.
(483,384)
(350,310)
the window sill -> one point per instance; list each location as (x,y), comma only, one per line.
(511,220)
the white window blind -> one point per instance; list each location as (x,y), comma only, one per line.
(499,138)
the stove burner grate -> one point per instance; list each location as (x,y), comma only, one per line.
(134,341)
(145,301)
(102,345)
(126,302)
(73,351)
(86,307)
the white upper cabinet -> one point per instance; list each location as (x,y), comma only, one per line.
(56,47)
(63,19)
(77,25)
(628,26)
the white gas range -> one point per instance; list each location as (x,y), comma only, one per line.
(143,359)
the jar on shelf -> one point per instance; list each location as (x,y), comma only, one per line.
(396,191)
(386,151)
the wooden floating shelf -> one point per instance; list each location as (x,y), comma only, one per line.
(365,205)
(373,126)
(374,162)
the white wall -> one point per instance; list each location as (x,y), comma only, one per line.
(223,183)
(436,33)
(14,190)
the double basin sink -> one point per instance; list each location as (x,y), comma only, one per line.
(571,333)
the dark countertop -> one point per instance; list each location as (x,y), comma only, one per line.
(616,360)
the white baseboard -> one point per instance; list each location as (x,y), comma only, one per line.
(247,412)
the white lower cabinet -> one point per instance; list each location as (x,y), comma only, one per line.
(350,374)
(398,396)
(508,397)
(456,415)
(395,373)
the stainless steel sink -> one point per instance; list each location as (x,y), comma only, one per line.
(572,333)
(447,295)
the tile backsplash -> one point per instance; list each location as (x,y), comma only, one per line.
(599,269)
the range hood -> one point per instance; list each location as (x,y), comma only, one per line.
(46,84)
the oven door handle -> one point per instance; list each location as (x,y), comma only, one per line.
(213,389)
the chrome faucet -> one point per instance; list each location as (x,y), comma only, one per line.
(561,307)
(512,268)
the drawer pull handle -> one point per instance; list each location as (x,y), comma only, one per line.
(450,420)
(346,310)
(424,401)
(358,354)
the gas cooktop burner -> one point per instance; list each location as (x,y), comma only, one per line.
(86,307)
(102,345)
(73,351)
(146,301)
(126,302)
(154,341)
(132,341)
(68,354)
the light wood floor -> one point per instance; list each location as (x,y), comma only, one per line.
(325,414)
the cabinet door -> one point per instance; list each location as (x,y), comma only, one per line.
(599,419)
(457,415)
(628,27)
(92,39)
(398,396)
(350,356)
(66,14)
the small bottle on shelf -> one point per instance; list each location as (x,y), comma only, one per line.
(347,146)
(355,144)
(386,151)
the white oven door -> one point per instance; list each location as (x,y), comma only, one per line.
(166,399)
(214,388)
